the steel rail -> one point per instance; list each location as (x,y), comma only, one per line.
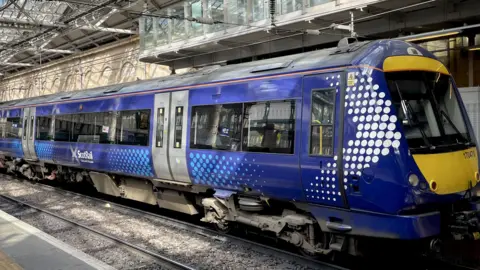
(160,259)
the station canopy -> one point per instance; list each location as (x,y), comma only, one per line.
(35,32)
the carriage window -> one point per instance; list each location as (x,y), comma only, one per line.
(83,130)
(216,127)
(63,127)
(269,127)
(177,136)
(43,128)
(321,131)
(160,126)
(13,127)
(92,127)
(133,127)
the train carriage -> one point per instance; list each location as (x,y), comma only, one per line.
(367,139)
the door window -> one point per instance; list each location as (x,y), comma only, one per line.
(321,126)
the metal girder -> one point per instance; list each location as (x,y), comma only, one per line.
(21,9)
(70,43)
(16,64)
(59,25)
(108,29)
(21,27)
(51,50)
(74,22)
(22,21)
(104,18)
(47,27)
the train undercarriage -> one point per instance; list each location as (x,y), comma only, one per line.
(225,210)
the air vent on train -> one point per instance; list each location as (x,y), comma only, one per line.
(111,91)
(273,66)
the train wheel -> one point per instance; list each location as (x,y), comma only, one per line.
(321,242)
(222,226)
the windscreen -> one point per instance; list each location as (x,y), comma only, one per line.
(428,108)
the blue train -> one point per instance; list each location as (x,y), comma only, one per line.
(367,139)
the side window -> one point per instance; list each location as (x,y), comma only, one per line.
(13,127)
(177,136)
(160,126)
(216,127)
(43,127)
(102,126)
(321,126)
(269,127)
(84,128)
(133,127)
(63,127)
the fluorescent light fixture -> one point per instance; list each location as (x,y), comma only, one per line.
(437,34)
(431,36)
(474,49)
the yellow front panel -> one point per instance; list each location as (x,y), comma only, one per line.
(413,63)
(452,172)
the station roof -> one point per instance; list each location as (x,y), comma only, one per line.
(36,32)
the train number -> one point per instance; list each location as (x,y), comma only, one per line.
(469,154)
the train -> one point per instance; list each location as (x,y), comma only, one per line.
(365,140)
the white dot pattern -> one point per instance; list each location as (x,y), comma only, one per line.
(375,126)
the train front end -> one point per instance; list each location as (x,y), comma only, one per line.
(434,157)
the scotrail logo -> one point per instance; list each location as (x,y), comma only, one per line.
(79,156)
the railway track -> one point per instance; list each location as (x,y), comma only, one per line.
(161,260)
(183,225)
(207,232)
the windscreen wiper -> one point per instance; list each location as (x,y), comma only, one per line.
(409,109)
(444,114)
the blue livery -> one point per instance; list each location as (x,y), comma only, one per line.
(348,139)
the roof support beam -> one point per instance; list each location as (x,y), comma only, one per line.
(16,64)
(84,27)
(108,29)
(51,50)
(104,18)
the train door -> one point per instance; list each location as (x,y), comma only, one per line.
(177,137)
(28,134)
(160,141)
(322,129)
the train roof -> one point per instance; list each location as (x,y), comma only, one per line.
(331,57)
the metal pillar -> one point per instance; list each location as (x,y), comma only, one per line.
(170,26)
(187,10)
(471,75)
(205,14)
(249,12)
(225,11)
(155,30)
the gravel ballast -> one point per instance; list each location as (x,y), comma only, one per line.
(198,251)
(91,244)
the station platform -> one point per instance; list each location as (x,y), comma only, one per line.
(25,247)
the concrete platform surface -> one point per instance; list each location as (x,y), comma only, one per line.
(25,247)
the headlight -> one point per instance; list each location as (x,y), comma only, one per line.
(413,180)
